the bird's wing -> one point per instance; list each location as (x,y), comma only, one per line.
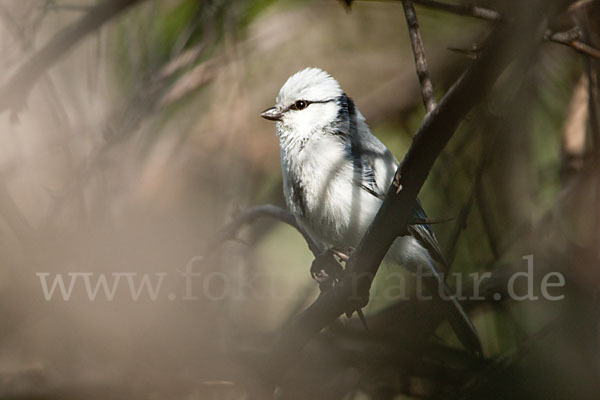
(365,177)
(367,180)
(377,166)
(374,168)
(426,237)
(374,165)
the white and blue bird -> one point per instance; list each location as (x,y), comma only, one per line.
(336,174)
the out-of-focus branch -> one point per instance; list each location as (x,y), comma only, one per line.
(12,215)
(15,219)
(181,61)
(252,214)
(578,4)
(10,24)
(574,131)
(419,53)
(471,388)
(436,130)
(193,79)
(483,205)
(587,17)
(14,92)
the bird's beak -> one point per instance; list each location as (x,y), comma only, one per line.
(272,114)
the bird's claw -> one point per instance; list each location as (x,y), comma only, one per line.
(343,255)
(326,270)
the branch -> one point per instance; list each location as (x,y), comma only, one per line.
(14,92)
(436,130)
(419,53)
(430,220)
(460,9)
(564,38)
(571,38)
(487,221)
(14,218)
(578,4)
(573,149)
(491,372)
(461,222)
(252,214)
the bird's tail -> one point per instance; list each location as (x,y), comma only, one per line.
(409,252)
(458,318)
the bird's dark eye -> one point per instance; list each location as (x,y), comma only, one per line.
(300,105)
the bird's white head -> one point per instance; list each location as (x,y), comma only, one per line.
(307,103)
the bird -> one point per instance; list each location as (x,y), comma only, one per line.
(335,176)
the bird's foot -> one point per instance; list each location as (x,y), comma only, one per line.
(343,255)
(326,270)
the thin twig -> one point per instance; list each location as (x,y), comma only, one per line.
(462,9)
(430,221)
(458,9)
(487,221)
(14,218)
(571,38)
(466,209)
(500,365)
(487,14)
(252,214)
(578,4)
(9,23)
(461,222)
(419,53)
(574,132)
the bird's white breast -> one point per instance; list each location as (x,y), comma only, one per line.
(319,190)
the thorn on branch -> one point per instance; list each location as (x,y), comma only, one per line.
(572,38)
(362,318)
(475,11)
(430,221)
(464,10)
(472,53)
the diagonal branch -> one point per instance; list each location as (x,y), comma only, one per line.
(461,222)
(491,372)
(419,53)
(14,92)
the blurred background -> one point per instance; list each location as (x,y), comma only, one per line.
(128,149)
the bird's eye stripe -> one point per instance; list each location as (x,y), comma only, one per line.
(306,103)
